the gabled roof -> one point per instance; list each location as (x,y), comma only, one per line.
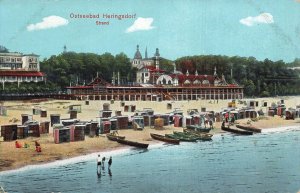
(98,81)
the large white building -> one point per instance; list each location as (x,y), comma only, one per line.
(17,67)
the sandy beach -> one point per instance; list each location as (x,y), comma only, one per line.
(12,158)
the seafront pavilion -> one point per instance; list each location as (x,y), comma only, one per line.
(155,93)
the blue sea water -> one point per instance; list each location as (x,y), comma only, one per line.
(266,162)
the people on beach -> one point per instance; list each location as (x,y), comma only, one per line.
(232,119)
(99,165)
(18,144)
(103,161)
(99,160)
(38,146)
(223,123)
(109,162)
(26,145)
(210,124)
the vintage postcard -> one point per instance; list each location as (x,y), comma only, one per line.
(149,96)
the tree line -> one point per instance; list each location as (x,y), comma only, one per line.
(259,78)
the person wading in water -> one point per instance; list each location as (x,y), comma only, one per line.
(98,165)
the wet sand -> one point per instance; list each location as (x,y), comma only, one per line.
(12,158)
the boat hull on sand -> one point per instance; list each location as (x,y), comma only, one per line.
(165,138)
(249,128)
(114,137)
(182,138)
(132,143)
(201,136)
(236,131)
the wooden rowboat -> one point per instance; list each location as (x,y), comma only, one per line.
(182,137)
(114,137)
(132,143)
(198,128)
(165,138)
(249,128)
(201,136)
(236,130)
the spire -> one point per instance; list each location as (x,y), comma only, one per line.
(118,77)
(174,65)
(157,52)
(65,49)
(157,58)
(137,54)
(146,53)
(215,71)
(187,72)
(196,73)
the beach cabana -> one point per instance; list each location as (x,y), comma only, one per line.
(73,114)
(3,111)
(235,114)
(105,114)
(61,135)
(25,118)
(149,111)
(106,107)
(22,131)
(106,126)
(43,113)
(67,122)
(122,122)
(55,119)
(178,120)
(9,132)
(290,114)
(139,120)
(77,133)
(36,110)
(148,120)
(131,108)
(75,107)
(44,127)
(33,130)
(113,124)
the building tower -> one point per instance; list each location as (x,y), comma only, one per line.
(65,49)
(215,72)
(157,59)
(137,59)
(174,67)
(146,53)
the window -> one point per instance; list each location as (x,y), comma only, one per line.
(146,74)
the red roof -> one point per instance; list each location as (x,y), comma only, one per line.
(153,69)
(21,73)
(192,78)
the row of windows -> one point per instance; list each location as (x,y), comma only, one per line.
(32,66)
(20,78)
(16,59)
(11,66)
(10,59)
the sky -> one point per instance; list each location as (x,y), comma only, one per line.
(258,28)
